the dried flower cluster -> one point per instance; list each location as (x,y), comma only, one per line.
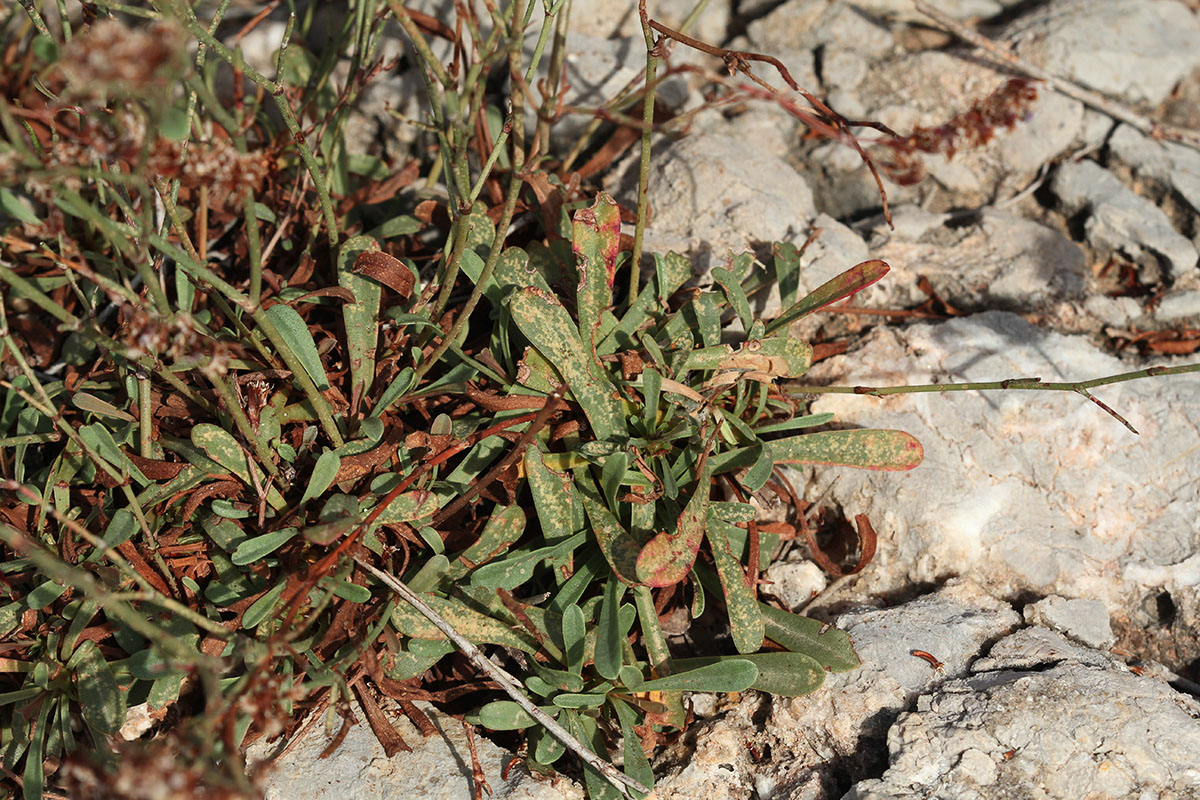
(145,333)
(110,57)
(975,127)
(120,138)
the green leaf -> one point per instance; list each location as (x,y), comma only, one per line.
(34,776)
(595,239)
(476,627)
(852,280)
(352,592)
(611,474)
(545,747)
(619,548)
(608,636)
(261,608)
(557,679)
(745,621)
(361,318)
(548,327)
(101,408)
(299,340)
(809,421)
(481,232)
(253,549)
(503,528)
(165,690)
(726,675)
(782,674)
(580,700)
(409,506)
(787,271)
(828,646)
(46,49)
(430,574)
(101,700)
(864,448)
(636,765)
(16,207)
(174,124)
(574,634)
(554,495)
(413,657)
(668,557)
(518,568)
(505,715)
(98,437)
(764,465)
(399,225)
(44,594)
(734,294)
(400,384)
(585,729)
(631,677)
(323,473)
(651,392)
(219,445)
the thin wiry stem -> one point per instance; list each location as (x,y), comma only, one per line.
(1011,384)
(643,196)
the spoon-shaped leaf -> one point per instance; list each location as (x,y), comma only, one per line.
(668,557)
(548,327)
(595,240)
(864,448)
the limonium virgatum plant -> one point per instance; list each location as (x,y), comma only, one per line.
(259,389)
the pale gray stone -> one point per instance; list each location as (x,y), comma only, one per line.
(712,197)
(846,721)
(1058,733)
(1168,163)
(906,10)
(997,260)
(907,90)
(1081,619)
(1119,219)
(607,20)
(794,583)
(1136,50)
(1179,307)
(438,768)
(1026,492)
(808,25)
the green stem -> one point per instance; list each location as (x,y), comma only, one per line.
(643,196)
(652,635)
(449,274)
(510,204)
(255,246)
(1024,384)
(145,425)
